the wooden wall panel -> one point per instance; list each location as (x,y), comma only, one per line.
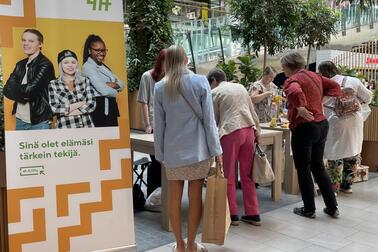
(3,222)
(135,112)
(371,126)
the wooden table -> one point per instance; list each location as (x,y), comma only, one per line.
(144,143)
(290,175)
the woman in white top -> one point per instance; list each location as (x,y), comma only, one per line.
(345,135)
(262,93)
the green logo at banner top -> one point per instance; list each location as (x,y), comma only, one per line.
(32,170)
(99,4)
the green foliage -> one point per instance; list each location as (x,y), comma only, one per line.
(150,31)
(248,68)
(229,69)
(374,101)
(245,68)
(344,70)
(281,24)
(316,24)
(262,23)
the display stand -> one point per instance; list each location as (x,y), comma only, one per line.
(370,145)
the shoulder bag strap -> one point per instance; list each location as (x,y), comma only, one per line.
(312,80)
(344,81)
(190,105)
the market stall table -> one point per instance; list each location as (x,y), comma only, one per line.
(144,143)
(290,174)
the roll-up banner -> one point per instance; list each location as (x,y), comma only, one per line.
(69,184)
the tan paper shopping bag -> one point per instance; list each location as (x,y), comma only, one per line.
(216,217)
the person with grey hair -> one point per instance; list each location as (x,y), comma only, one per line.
(239,129)
(309,127)
(71,96)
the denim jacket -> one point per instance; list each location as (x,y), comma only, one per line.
(180,137)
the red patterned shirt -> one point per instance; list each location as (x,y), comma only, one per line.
(306,89)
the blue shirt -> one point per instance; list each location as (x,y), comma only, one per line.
(179,135)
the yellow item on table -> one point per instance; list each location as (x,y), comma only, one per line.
(273,122)
(277,99)
(285,125)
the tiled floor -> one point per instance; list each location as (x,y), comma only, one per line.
(355,230)
(149,233)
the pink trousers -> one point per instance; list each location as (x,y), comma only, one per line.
(239,145)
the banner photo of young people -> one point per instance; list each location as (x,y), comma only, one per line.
(68,159)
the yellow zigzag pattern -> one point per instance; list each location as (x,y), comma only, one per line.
(107,187)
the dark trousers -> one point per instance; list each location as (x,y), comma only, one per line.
(308,140)
(153,175)
(99,118)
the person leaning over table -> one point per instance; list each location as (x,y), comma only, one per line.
(146,98)
(309,127)
(186,139)
(239,129)
(345,135)
(262,93)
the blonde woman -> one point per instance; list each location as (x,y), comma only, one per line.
(186,138)
(71,96)
(262,93)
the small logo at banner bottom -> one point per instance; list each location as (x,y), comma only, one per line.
(32,170)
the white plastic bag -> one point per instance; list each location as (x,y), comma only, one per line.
(153,201)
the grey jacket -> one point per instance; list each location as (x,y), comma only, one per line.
(180,137)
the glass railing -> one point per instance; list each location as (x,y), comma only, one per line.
(354,16)
(205,38)
(204,34)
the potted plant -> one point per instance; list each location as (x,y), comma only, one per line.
(150,31)
(244,68)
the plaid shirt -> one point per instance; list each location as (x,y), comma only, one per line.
(61,98)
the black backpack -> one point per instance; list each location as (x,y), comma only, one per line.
(138,197)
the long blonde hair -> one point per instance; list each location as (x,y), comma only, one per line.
(174,65)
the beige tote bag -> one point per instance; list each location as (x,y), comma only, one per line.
(262,172)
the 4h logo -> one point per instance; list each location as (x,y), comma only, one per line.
(99,4)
